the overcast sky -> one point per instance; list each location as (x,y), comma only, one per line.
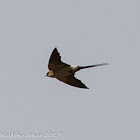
(85,32)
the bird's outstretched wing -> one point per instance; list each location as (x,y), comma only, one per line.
(71,80)
(55,62)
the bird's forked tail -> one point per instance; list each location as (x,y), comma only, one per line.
(83,67)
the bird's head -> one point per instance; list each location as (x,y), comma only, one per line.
(50,74)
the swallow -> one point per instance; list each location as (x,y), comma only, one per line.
(64,72)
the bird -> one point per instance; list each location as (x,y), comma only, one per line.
(65,72)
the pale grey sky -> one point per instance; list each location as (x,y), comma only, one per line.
(84,32)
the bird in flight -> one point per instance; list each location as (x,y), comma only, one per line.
(64,72)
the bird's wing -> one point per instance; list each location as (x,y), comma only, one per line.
(71,80)
(55,62)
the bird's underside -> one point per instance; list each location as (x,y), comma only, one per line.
(64,72)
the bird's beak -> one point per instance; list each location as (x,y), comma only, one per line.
(47,74)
